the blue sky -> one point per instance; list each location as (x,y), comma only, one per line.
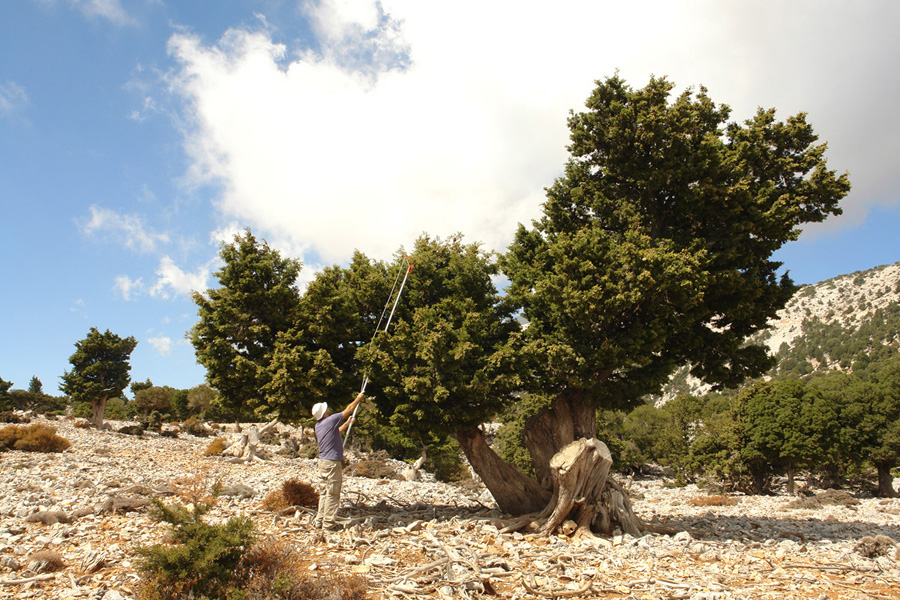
(136,135)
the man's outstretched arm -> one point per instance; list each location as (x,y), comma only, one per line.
(347,412)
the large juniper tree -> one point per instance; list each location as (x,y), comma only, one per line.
(240,322)
(654,251)
(100,370)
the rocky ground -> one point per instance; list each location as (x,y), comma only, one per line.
(428,539)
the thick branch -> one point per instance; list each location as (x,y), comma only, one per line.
(514,492)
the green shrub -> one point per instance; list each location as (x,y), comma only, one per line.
(33,438)
(224,562)
(202,559)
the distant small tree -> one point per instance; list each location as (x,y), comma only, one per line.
(785,425)
(870,418)
(137,386)
(180,404)
(5,398)
(35,386)
(153,398)
(100,368)
(200,398)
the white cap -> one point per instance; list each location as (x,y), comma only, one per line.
(318,410)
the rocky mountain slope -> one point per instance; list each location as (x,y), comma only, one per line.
(828,325)
(848,300)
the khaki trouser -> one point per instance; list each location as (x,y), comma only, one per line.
(329,492)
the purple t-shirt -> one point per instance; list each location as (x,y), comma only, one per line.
(331,447)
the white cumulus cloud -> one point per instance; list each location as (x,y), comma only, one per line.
(444,117)
(162,344)
(126,287)
(111,10)
(12,97)
(172,281)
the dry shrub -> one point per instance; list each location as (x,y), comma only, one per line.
(48,517)
(292,492)
(714,500)
(373,469)
(275,501)
(873,547)
(9,416)
(198,489)
(333,586)
(33,438)
(216,447)
(835,497)
(300,493)
(45,561)
(273,569)
(194,427)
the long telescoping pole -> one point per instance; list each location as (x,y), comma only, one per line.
(372,342)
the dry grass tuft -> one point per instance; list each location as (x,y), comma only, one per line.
(45,561)
(33,438)
(300,493)
(216,447)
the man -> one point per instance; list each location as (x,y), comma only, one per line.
(329,429)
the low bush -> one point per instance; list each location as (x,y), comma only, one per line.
(225,562)
(32,438)
(202,558)
(714,500)
(215,447)
(8,416)
(373,469)
(292,492)
(194,427)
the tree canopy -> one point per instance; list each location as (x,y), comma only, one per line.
(240,321)
(655,246)
(446,364)
(100,370)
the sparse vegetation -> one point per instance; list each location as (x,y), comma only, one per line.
(32,438)
(227,562)
(216,447)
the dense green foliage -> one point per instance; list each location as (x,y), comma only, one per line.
(241,321)
(203,558)
(833,426)
(655,247)
(100,370)
(226,562)
(5,398)
(446,363)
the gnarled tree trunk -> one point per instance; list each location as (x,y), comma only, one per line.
(554,428)
(98,408)
(513,491)
(571,468)
(579,473)
(885,480)
(244,446)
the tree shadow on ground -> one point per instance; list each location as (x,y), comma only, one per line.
(747,529)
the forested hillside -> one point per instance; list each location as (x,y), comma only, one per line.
(850,319)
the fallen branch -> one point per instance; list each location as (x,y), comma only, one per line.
(26,580)
(563,593)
